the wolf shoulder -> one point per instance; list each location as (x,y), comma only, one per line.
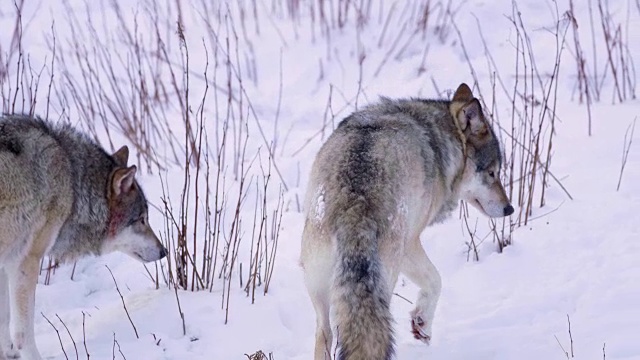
(31,158)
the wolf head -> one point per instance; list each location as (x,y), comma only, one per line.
(128,227)
(480,184)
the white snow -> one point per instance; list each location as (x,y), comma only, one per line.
(576,261)
(319,204)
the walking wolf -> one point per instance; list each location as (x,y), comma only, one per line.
(387,172)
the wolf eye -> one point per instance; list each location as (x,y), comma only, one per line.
(492,174)
(143,221)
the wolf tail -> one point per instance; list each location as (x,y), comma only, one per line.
(361,292)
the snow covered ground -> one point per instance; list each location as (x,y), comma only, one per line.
(575,261)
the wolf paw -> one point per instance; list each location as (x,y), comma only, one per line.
(8,352)
(12,353)
(9,355)
(19,340)
(420,329)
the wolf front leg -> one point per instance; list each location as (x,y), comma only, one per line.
(22,280)
(421,271)
(5,335)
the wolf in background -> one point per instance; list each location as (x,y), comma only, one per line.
(60,193)
(387,172)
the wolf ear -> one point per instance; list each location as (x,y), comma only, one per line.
(462,94)
(122,180)
(470,118)
(121,156)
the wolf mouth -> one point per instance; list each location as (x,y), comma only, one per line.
(480,207)
(139,256)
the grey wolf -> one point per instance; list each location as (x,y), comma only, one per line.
(62,194)
(387,172)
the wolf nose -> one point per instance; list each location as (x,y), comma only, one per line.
(163,252)
(508,210)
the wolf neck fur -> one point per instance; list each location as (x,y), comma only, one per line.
(89,214)
(458,155)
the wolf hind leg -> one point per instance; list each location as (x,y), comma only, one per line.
(318,276)
(421,271)
(324,336)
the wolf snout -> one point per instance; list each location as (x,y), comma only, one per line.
(508,210)
(151,255)
(155,254)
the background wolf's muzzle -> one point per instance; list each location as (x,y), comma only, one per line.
(508,210)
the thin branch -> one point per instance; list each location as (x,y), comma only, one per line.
(403,298)
(570,336)
(561,347)
(123,304)
(57,333)
(84,336)
(626,146)
(70,336)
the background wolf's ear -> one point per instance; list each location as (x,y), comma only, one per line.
(463,93)
(122,180)
(121,156)
(471,120)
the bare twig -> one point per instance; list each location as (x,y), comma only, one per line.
(471,244)
(123,304)
(116,343)
(626,146)
(70,336)
(259,355)
(57,333)
(403,298)
(84,336)
(561,347)
(184,325)
(570,336)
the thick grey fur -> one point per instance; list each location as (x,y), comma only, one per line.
(61,194)
(395,151)
(86,171)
